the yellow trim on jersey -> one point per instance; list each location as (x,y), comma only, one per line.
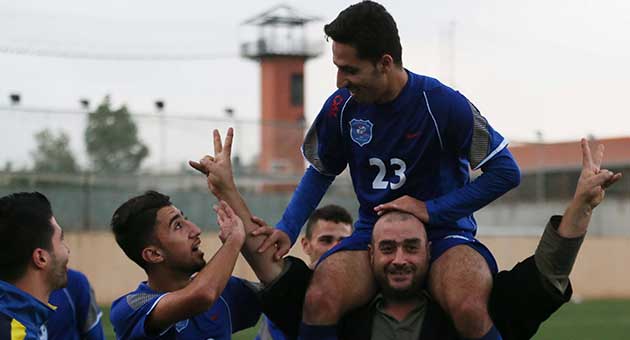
(18,331)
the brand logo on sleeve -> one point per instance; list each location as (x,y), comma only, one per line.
(181,325)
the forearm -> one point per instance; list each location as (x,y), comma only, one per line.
(263,264)
(575,220)
(305,199)
(200,294)
(500,175)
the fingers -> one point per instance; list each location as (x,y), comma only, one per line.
(587,161)
(383,208)
(217,142)
(599,156)
(228,210)
(263,230)
(221,215)
(614,179)
(281,252)
(197,166)
(258,221)
(228,143)
(269,241)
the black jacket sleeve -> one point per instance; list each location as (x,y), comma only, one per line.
(521,301)
(283,299)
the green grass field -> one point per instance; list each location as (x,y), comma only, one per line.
(589,320)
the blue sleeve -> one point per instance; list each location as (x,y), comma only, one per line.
(88,312)
(500,174)
(245,309)
(305,199)
(129,319)
(469,137)
(323,148)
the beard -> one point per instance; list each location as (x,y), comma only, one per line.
(58,276)
(400,293)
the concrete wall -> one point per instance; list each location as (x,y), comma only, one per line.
(601,270)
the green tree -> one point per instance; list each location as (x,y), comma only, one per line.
(53,152)
(112,140)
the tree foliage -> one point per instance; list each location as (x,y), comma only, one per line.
(112,140)
(53,153)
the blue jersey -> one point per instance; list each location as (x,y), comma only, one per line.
(236,309)
(22,316)
(77,315)
(422,144)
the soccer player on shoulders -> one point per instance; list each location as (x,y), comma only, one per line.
(409,142)
(172,304)
(33,263)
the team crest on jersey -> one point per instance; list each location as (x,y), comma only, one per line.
(361,131)
(181,325)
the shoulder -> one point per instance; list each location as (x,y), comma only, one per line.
(336,102)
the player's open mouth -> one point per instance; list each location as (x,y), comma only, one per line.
(195,246)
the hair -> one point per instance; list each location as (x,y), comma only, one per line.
(370,29)
(25,225)
(134,223)
(332,213)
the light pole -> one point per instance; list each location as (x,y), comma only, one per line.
(159,107)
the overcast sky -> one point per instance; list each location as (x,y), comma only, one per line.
(555,66)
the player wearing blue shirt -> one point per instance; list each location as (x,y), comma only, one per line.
(33,263)
(170,304)
(77,316)
(409,142)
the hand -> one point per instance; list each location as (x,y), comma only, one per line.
(230,225)
(275,237)
(593,180)
(218,169)
(406,204)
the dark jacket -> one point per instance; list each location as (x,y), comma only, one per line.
(520,301)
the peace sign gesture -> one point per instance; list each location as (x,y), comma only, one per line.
(218,168)
(593,180)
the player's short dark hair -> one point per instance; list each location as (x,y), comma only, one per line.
(134,223)
(25,225)
(370,29)
(332,213)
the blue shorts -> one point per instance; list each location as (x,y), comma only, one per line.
(361,238)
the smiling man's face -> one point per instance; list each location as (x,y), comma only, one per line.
(399,254)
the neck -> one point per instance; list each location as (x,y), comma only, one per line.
(165,280)
(398,80)
(400,309)
(36,285)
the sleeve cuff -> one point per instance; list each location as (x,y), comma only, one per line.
(555,255)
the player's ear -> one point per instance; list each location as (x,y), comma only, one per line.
(306,246)
(40,258)
(386,63)
(371,253)
(152,255)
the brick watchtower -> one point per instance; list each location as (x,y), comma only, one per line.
(281,47)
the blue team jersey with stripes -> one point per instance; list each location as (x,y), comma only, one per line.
(422,144)
(236,309)
(78,316)
(22,316)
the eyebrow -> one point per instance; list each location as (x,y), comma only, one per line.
(407,241)
(178,215)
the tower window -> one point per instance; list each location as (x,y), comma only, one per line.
(297,89)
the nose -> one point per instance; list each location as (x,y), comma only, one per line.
(195,231)
(341,80)
(399,257)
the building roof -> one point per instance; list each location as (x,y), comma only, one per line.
(567,155)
